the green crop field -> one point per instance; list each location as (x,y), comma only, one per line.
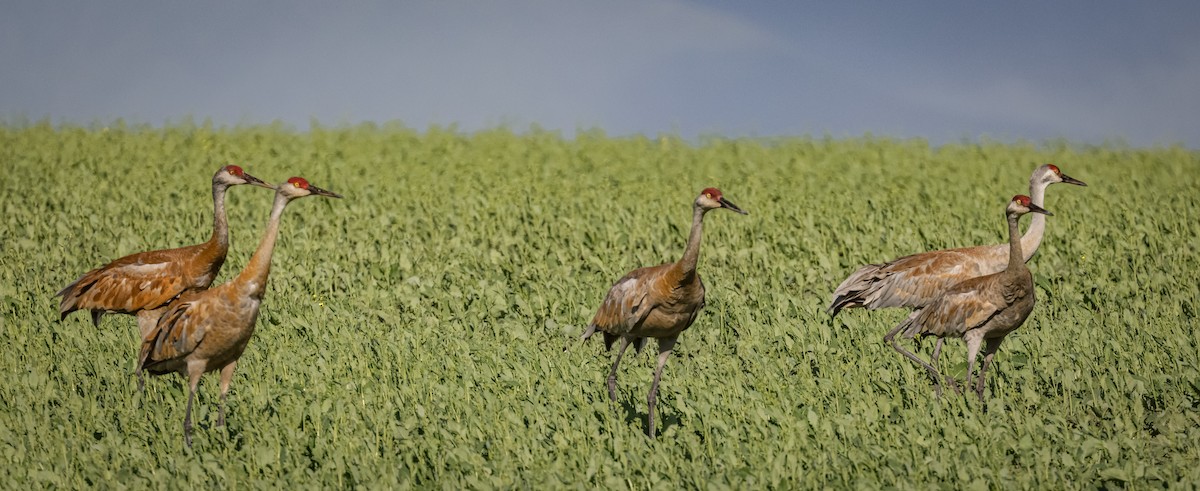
(413,332)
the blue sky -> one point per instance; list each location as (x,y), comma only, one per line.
(1088,71)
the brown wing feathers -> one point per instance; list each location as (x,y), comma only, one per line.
(910,281)
(146,280)
(174,337)
(626,306)
(969,305)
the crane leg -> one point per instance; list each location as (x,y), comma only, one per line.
(937,353)
(989,352)
(226,377)
(937,356)
(612,375)
(664,350)
(890,338)
(193,382)
(973,344)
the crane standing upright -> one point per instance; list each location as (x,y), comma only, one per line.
(143,283)
(984,308)
(656,302)
(915,280)
(208,330)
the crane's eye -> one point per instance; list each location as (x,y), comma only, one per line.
(708,195)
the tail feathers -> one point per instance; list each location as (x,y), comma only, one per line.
(75,284)
(70,297)
(609,339)
(65,306)
(842,302)
(848,300)
(586,334)
(97,314)
(854,289)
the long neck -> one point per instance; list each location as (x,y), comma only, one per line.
(1037,226)
(1015,259)
(254,277)
(691,255)
(220,235)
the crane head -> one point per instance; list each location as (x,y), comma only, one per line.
(232,175)
(1022,204)
(1051,174)
(711,199)
(298,187)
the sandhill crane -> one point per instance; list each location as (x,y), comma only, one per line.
(208,330)
(914,281)
(656,302)
(143,283)
(984,308)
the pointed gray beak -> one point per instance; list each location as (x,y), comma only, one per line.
(1071,180)
(256,181)
(321,192)
(727,204)
(1037,209)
